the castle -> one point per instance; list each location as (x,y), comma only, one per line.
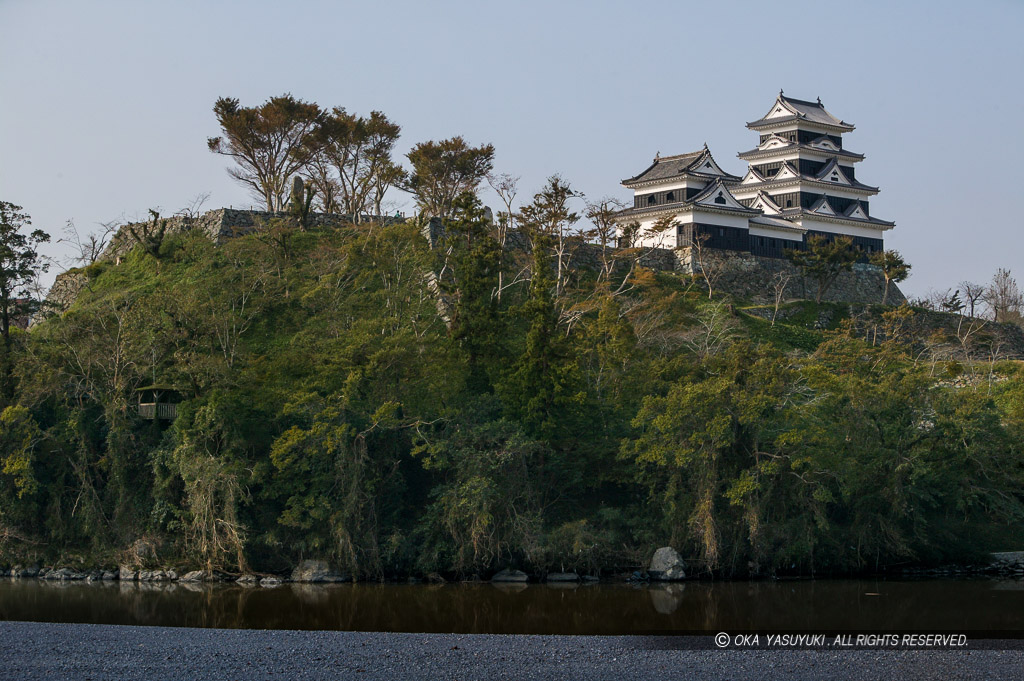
(800,181)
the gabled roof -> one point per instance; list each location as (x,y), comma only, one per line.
(752,176)
(697,163)
(822,206)
(788,109)
(833,172)
(856,211)
(717,195)
(766,204)
(787,172)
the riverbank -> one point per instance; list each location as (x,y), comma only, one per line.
(664,567)
(81,651)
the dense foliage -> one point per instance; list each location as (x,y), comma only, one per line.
(339,403)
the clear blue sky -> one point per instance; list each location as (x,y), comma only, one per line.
(106,106)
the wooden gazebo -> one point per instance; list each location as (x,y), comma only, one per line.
(158,402)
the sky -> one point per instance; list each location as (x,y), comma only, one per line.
(105,106)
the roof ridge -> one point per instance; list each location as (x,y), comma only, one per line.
(803,101)
(679,156)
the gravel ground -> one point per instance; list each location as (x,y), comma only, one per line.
(90,652)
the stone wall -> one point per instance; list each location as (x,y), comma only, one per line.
(218,225)
(62,294)
(749,276)
(737,273)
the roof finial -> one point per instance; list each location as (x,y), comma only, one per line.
(780,92)
(819,101)
(657,155)
(705,145)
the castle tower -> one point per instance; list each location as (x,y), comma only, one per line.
(801,173)
(694,191)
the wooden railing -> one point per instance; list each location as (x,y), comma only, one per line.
(160,410)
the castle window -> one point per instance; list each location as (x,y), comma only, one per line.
(670,197)
(650,200)
(789,203)
(720,198)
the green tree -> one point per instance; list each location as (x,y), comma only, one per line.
(486,511)
(443,171)
(209,458)
(705,451)
(334,476)
(350,161)
(20,264)
(268,142)
(476,259)
(894,268)
(824,260)
(542,389)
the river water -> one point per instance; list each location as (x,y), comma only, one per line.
(993,608)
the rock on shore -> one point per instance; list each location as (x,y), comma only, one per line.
(667,565)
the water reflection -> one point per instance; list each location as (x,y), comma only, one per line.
(564,608)
(666,597)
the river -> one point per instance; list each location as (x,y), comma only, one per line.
(989,607)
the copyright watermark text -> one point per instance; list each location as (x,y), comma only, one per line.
(725,640)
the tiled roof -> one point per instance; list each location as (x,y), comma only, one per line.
(776,223)
(796,145)
(799,109)
(668,167)
(679,205)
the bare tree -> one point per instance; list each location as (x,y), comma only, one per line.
(602,216)
(87,248)
(506,186)
(193,209)
(1004,297)
(973,295)
(710,266)
(779,283)
(714,329)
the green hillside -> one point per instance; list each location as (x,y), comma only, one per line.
(328,411)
